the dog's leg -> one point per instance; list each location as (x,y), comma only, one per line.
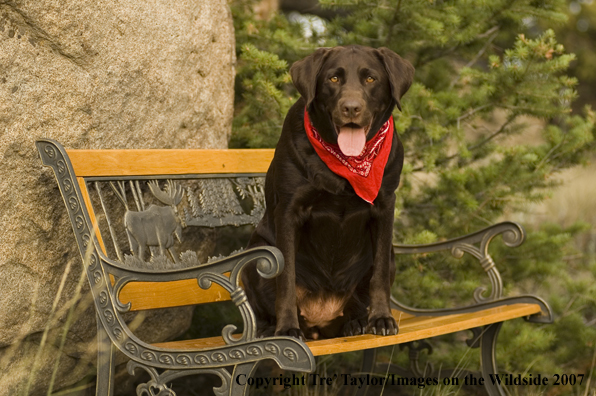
(285,298)
(357,310)
(380,320)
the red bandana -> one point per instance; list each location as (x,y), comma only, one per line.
(364,172)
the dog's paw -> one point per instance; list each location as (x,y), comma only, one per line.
(268,331)
(354,327)
(385,325)
(291,332)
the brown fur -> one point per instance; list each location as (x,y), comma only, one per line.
(337,248)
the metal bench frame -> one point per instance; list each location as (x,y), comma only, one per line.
(108,276)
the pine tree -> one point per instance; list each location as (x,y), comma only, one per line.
(482,77)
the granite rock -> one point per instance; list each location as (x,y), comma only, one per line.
(91,74)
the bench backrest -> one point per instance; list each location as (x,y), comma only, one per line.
(139,201)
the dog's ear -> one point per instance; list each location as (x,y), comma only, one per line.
(304,73)
(400,72)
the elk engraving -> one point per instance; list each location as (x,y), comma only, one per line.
(156,225)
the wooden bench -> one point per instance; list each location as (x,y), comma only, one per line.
(129,207)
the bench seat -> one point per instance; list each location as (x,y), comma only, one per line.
(411,328)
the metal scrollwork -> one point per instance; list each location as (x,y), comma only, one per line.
(118,333)
(184,360)
(109,315)
(86,239)
(73,203)
(218,357)
(61,167)
(290,354)
(157,385)
(166,359)
(92,261)
(513,235)
(236,354)
(67,185)
(120,283)
(149,356)
(415,347)
(254,351)
(272,348)
(474,341)
(239,298)
(132,348)
(488,265)
(267,267)
(201,359)
(79,222)
(103,298)
(50,152)
(97,278)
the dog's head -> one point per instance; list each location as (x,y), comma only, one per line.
(350,91)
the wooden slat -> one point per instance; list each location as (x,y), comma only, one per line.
(411,328)
(87,163)
(152,295)
(424,327)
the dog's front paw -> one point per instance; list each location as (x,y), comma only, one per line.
(268,331)
(354,327)
(292,332)
(384,325)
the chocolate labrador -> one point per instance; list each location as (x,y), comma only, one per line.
(330,196)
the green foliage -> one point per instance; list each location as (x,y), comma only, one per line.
(264,49)
(264,103)
(485,74)
(578,35)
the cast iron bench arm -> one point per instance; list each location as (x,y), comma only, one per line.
(513,235)
(288,352)
(269,260)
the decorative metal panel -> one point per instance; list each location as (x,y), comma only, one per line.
(142,221)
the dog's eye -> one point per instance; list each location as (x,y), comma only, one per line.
(370,79)
(334,79)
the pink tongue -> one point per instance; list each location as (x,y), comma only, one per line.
(351,141)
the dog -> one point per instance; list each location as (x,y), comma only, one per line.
(330,198)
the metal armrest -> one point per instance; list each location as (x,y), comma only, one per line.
(288,352)
(513,236)
(270,263)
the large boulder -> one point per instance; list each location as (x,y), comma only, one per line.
(91,74)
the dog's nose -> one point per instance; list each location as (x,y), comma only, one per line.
(351,108)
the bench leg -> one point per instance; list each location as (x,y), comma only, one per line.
(369,359)
(104,385)
(245,369)
(488,358)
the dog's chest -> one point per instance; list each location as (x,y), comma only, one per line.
(336,235)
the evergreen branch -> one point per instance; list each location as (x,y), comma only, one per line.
(489,31)
(482,219)
(472,112)
(393,22)
(499,131)
(437,55)
(550,152)
(510,119)
(493,33)
(522,109)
